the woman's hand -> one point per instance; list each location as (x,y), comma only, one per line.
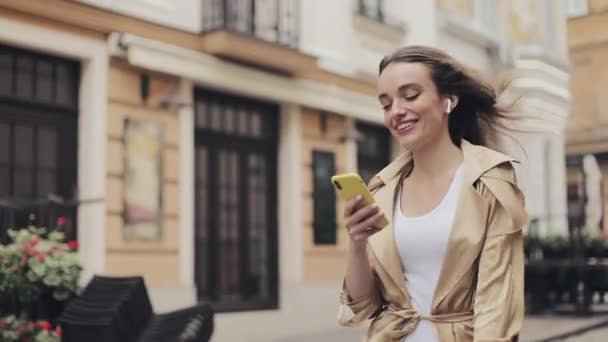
(360,222)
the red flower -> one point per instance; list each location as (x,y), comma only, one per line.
(23,261)
(20,330)
(34,240)
(45,326)
(73,244)
(3,325)
(28,250)
(59,332)
(33,325)
(61,220)
(41,257)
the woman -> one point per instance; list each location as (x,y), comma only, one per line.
(450,265)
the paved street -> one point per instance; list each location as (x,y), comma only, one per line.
(538,328)
(309,315)
(535,329)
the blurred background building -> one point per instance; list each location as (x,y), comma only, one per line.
(587,127)
(199,135)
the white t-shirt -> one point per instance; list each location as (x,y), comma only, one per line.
(422,242)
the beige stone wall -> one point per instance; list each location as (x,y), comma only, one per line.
(523,24)
(158,261)
(588,39)
(589,84)
(322,263)
(598,6)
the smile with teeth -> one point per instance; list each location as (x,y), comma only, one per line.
(406,125)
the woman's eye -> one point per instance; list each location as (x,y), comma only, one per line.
(412,97)
(386,107)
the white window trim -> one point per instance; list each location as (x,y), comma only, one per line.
(92,130)
(577,8)
(550,35)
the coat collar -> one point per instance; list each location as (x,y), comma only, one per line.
(477,159)
(471,212)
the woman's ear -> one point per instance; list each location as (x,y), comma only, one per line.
(452,102)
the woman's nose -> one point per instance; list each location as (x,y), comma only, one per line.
(398,108)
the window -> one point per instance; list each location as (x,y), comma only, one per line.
(372,9)
(324,198)
(373,150)
(382,12)
(236,250)
(275,21)
(577,8)
(38,138)
(40,80)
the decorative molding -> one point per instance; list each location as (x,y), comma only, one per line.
(467,31)
(163,5)
(392,34)
(539,53)
(205,69)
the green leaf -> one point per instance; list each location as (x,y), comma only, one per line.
(52,279)
(39,269)
(57,236)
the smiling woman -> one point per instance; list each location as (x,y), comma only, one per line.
(449,266)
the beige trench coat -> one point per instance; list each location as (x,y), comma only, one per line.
(480,293)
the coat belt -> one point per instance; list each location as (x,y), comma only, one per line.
(411,318)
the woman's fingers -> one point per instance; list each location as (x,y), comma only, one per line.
(361,215)
(351,206)
(365,234)
(367,225)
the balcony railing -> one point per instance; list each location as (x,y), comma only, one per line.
(275,21)
(376,10)
(52,213)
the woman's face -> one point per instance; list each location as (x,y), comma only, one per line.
(414,112)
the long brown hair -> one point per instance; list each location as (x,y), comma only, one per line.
(477,116)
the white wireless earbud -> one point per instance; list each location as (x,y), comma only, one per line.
(449,106)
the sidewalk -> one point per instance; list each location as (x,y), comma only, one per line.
(308,314)
(536,328)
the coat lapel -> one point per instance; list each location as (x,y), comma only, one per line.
(464,243)
(469,227)
(383,242)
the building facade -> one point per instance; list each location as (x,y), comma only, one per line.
(199,136)
(586,138)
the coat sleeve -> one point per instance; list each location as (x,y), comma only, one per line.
(499,298)
(353,312)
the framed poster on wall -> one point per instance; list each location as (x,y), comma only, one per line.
(143,180)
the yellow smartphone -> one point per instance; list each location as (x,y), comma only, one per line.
(350,185)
